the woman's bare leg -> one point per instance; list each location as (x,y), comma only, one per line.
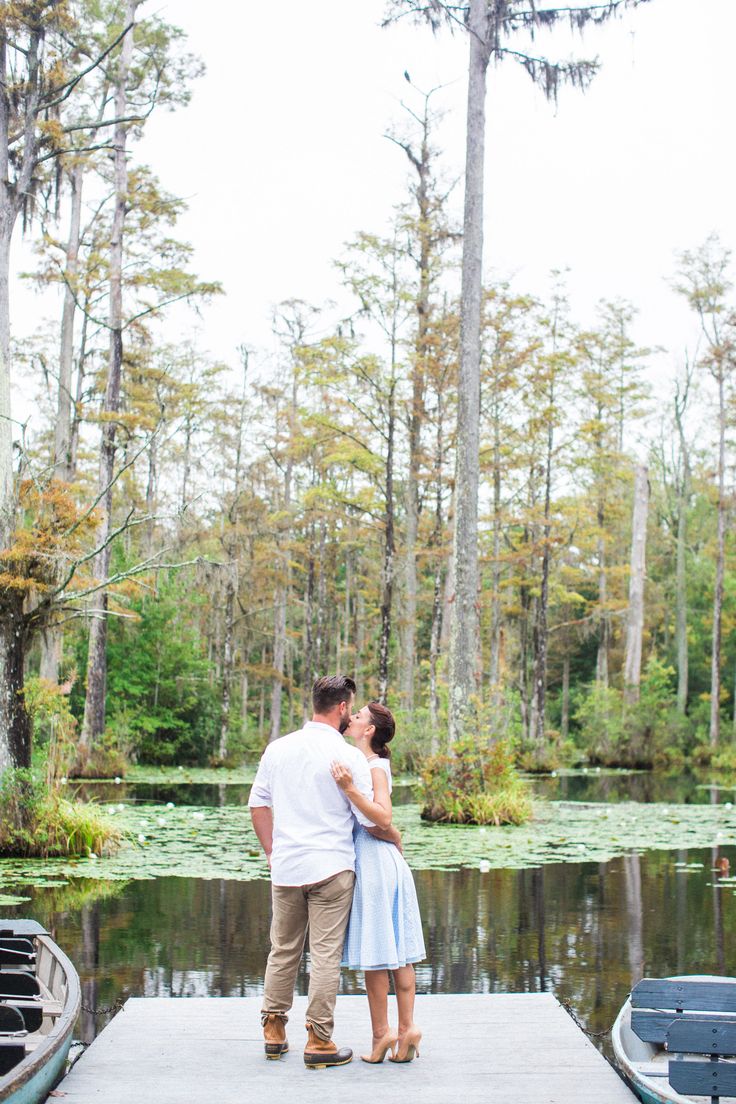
(376,986)
(405,986)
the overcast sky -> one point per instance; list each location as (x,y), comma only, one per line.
(282,155)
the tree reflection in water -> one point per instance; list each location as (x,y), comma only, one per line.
(584,931)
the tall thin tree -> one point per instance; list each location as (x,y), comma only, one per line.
(490,24)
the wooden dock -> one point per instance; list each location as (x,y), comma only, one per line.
(505,1048)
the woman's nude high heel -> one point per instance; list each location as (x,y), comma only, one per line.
(408,1047)
(388,1042)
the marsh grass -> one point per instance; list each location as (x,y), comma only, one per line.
(37,822)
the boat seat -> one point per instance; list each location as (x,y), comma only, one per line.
(30,1012)
(705,1036)
(11,1020)
(679,995)
(18,983)
(12,1051)
(33,1011)
(657,1002)
(16,951)
(651,1026)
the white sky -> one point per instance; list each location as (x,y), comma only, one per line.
(282,156)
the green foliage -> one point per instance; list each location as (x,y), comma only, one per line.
(54,726)
(36,822)
(639,735)
(475,783)
(162,707)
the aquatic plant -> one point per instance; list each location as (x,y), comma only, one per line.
(38,822)
(475,783)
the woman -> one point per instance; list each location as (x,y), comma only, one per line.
(385,929)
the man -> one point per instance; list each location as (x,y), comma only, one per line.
(305,825)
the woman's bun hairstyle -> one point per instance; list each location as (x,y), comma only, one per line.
(385,725)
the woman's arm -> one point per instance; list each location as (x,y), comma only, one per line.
(378,810)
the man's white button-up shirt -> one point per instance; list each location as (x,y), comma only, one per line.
(312,817)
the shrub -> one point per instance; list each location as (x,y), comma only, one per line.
(104,760)
(475,783)
(53,724)
(36,822)
(638,735)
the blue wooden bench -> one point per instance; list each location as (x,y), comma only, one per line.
(694,1018)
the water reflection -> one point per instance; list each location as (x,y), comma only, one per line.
(209,794)
(646,786)
(585,932)
(577,785)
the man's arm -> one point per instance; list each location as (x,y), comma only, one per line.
(260,803)
(262,817)
(390,835)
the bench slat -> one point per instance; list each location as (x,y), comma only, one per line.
(703,1078)
(696,996)
(702,1036)
(651,1027)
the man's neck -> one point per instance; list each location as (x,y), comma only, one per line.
(322,718)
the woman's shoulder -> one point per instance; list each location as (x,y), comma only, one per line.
(381,764)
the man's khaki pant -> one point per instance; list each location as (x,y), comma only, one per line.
(323,909)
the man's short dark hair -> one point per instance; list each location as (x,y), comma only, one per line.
(330,690)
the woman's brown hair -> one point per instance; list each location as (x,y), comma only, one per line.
(385,725)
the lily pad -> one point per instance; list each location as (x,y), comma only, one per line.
(208,842)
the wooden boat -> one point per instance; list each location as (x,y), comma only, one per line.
(645,1061)
(39,1003)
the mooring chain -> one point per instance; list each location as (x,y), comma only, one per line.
(593,1034)
(117,1007)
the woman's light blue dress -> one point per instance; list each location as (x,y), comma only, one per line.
(385,928)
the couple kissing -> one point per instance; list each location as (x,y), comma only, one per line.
(321,808)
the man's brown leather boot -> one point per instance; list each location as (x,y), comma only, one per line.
(274,1035)
(321,1053)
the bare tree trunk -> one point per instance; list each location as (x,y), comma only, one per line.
(435,642)
(282,586)
(262,699)
(15,730)
(464,621)
(63,429)
(604,639)
(565,720)
(540,621)
(635,617)
(151,488)
(495,656)
(388,558)
(683,502)
(681,608)
(359,646)
(422,164)
(94,706)
(76,416)
(244,693)
(715,666)
(309,672)
(319,640)
(279,658)
(231,587)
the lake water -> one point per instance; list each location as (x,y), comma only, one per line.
(564,785)
(584,931)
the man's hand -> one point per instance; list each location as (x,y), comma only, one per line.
(390,835)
